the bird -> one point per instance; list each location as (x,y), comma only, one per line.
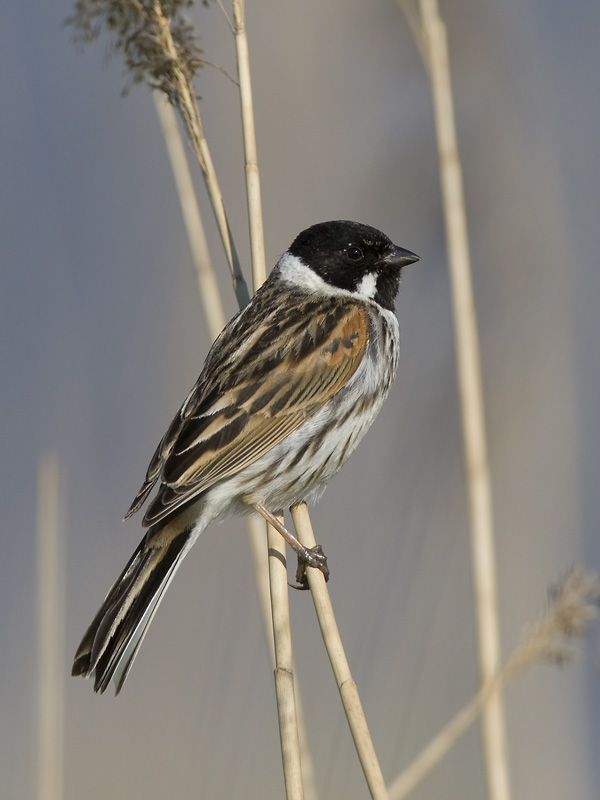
(286,393)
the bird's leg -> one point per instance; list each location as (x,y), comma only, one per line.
(313,557)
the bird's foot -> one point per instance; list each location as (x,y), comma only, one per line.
(313,557)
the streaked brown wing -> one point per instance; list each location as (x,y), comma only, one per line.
(280,382)
(156,463)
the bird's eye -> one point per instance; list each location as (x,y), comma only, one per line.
(354,253)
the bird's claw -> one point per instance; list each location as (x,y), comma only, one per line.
(314,557)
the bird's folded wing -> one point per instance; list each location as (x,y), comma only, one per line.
(283,382)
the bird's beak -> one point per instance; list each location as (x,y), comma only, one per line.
(401,257)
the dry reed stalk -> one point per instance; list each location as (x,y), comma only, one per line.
(572,604)
(256,530)
(206,279)
(257,241)
(284,668)
(258,549)
(471,399)
(339,663)
(309,779)
(51,636)
(190,113)
(284,671)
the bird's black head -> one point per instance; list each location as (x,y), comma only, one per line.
(354,257)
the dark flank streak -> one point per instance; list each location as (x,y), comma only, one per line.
(299,456)
(364,404)
(341,421)
(317,475)
(342,457)
(318,440)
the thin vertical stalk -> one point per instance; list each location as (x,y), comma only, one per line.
(339,663)
(256,531)
(256,537)
(284,668)
(284,674)
(51,613)
(257,242)
(206,280)
(471,398)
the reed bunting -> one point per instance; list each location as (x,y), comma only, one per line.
(288,390)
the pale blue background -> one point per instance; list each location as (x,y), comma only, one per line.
(101,337)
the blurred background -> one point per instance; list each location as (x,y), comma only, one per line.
(101,337)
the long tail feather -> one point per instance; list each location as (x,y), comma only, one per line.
(110,644)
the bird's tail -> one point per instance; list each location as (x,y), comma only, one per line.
(111,642)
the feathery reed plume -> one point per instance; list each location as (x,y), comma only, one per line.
(572,604)
(158,45)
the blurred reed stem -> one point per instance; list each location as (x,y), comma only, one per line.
(573,603)
(206,279)
(471,400)
(284,667)
(51,633)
